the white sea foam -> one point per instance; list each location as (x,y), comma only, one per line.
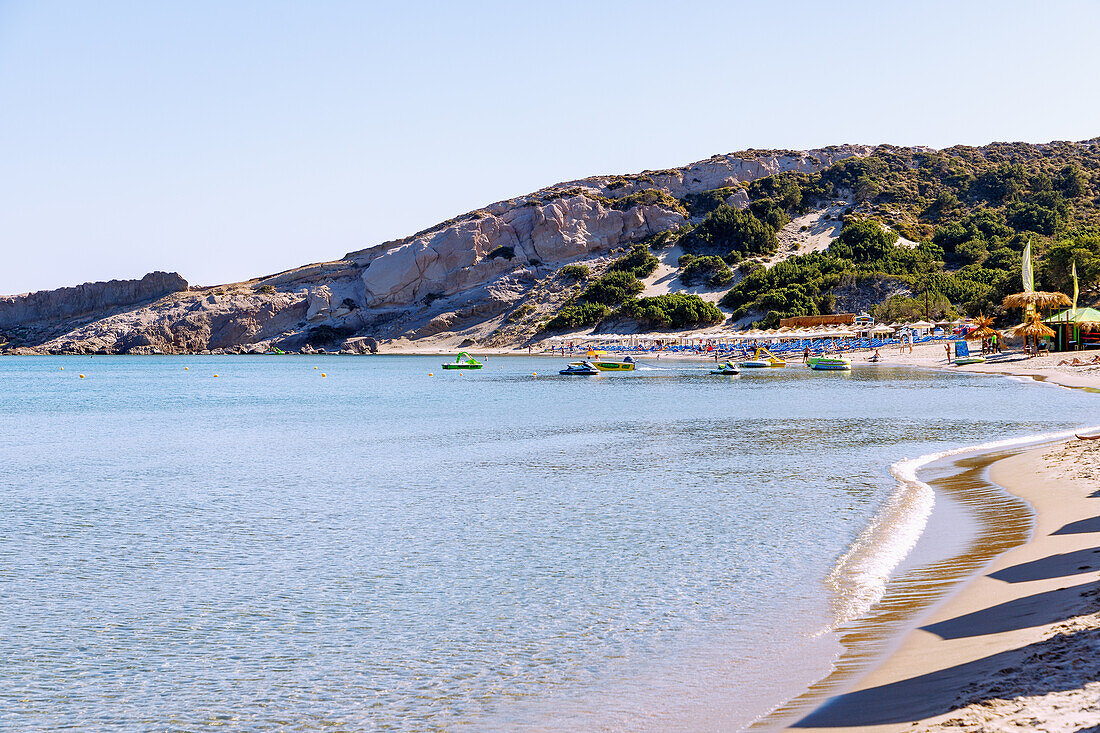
(860,576)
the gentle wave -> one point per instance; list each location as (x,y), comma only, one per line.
(859,578)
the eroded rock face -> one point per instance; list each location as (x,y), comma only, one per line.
(51,306)
(188,322)
(456,257)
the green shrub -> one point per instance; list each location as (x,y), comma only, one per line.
(638,261)
(266,289)
(613,288)
(767,211)
(701,204)
(707,269)
(864,241)
(674,310)
(575,272)
(728,229)
(578,315)
(1025,216)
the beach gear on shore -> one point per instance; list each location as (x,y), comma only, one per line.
(463,361)
(963,355)
(580,368)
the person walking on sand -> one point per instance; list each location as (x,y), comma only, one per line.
(947,348)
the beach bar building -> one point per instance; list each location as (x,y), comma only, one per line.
(1069,335)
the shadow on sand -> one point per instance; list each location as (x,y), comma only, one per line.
(1081,526)
(1054,566)
(1021,613)
(936,693)
(941,692)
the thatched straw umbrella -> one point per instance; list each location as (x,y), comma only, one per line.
(1034,327)
(1089,326)
(1039,299)
(984,328)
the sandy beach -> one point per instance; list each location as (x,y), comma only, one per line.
(1017,647)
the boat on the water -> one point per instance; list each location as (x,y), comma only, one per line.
(829,363)
(626,365)
(728,368)
(463,361)
(763,359)
(580,368)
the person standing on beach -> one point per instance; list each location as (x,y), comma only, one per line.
(947,348)
(805,354)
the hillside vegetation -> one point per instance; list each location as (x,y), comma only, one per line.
(965,214)
(971,210)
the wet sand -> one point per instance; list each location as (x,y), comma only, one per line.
(1018,647)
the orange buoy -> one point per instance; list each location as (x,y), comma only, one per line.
(430,374)
(215,375)
(323,374)
(186,368)
(82,376)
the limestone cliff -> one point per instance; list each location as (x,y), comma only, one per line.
(86,299)
(461,279)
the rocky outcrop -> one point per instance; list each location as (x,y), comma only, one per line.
(189,322)
(557,224)
(89,299)
(471,253)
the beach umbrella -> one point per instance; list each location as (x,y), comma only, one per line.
(1033,328)
(984,328)
(1089,326)
(882,329)
(1038,299)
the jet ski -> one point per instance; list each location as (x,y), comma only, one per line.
(726,368)
(580,368)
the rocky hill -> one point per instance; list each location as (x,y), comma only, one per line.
(456,281)
(762,234)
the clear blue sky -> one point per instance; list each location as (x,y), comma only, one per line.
(228,139)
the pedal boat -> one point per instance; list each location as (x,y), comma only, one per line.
(463,361)
(829,363)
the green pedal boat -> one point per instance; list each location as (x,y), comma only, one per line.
(464,361)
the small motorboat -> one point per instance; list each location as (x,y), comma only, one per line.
(580,368)
(829,363)
(626,365)
(463,361)
(762,360)
(728,368)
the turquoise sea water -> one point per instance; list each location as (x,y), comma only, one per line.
(383,549)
